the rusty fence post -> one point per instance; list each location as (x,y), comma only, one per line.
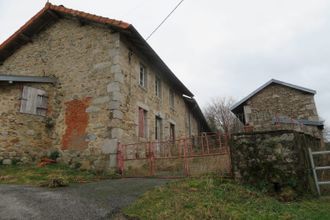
(202,142)
(185,158)
(227,138)
(220,145)
(191,149)
(207,143)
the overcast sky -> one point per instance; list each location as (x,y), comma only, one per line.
(220,47)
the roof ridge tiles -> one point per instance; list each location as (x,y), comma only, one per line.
(63,9)
(10,45)
(300,88)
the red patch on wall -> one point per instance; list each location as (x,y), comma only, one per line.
(76,120)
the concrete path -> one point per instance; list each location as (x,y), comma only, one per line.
(100,200)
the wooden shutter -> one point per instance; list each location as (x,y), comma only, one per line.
(29,97)
(141,122)
(24,99)
(42,101)
(33,101)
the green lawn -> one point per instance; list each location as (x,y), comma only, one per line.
(33,175)
(214,198)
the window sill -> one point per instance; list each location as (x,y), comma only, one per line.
(25,113)
(143,88)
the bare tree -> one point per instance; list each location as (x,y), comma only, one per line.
(219,116)
(326,134)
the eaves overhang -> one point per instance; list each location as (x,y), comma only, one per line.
(52,13)
(300,88)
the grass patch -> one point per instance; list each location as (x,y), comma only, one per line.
(215,198)
(33,175)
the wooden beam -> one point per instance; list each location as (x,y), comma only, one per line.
(25,38)
(113,31)
(53,14)
(82,22)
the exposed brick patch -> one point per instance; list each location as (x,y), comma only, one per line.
(76,120)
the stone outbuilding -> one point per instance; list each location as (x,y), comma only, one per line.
(278,104)
(79,83)
(281,124)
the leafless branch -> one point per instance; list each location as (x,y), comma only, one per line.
(220,117)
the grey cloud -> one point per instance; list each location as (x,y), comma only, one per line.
(221,48)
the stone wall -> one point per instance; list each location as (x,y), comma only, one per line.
(81,58)
(274,160)
(279,100)
(95,102)
(24,138)
(136,96)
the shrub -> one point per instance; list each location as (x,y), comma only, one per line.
(54,155)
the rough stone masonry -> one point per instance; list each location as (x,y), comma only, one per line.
(95,102)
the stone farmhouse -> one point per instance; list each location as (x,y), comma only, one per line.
(279,104)
(79,84)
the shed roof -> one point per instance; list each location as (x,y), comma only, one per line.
(32,79)
(52,13)
(272,81)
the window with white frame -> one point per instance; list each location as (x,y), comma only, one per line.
(34,101)
(143,76)
(158,87)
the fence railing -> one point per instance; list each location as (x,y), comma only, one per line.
(276,121)
(184,148)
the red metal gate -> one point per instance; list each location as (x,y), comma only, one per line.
(182,157)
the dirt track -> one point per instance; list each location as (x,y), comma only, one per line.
(100,200)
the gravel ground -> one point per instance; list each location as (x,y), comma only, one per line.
(99,200)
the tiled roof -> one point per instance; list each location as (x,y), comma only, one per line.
(91,17)
(52,13)
(62,10)
(234,107)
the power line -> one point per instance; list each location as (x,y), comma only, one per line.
(165,19)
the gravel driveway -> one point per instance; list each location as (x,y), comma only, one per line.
(100,200)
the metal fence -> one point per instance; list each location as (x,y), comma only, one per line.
(276,121)
(149,158)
